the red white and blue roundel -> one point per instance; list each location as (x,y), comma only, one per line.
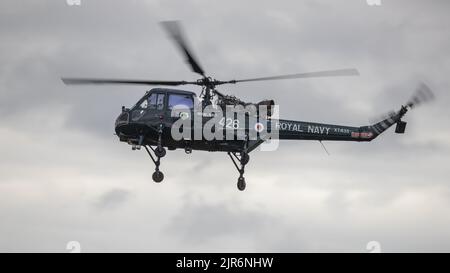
(259,127)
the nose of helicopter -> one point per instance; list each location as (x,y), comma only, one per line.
(121,123)
(122,118)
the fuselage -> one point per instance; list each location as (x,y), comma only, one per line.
(162,109)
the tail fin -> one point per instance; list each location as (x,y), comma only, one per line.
(422,94)
(393,118)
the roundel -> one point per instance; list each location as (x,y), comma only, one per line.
(259,127)
(184,115)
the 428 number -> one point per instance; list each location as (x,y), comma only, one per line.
(229,123)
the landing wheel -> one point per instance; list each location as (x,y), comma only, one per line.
(241,183)
(160,152)
(158,176)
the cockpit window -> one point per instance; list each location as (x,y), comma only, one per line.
(139,111)
(152,101)
(180,100)
(143,105)
(160,102)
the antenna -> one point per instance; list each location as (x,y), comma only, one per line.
(323,146)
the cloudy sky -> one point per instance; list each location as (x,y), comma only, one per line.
(65,177)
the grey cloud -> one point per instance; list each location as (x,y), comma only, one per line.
(197,222)
(113,199)
(200,224)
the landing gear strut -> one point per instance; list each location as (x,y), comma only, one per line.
(243,158)
(159,152)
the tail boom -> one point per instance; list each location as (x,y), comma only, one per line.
(301,130)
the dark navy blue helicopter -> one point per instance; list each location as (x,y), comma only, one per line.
(149,123)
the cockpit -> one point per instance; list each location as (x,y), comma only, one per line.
(158,101)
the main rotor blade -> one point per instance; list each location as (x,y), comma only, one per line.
(175,32)
(72,81)
(329,73)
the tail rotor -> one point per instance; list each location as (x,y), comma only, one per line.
(421,95)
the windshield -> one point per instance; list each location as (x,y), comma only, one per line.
(157,101)
(153,102)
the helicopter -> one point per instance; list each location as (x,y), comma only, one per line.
(151,121)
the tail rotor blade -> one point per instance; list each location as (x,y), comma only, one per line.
(422,95)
